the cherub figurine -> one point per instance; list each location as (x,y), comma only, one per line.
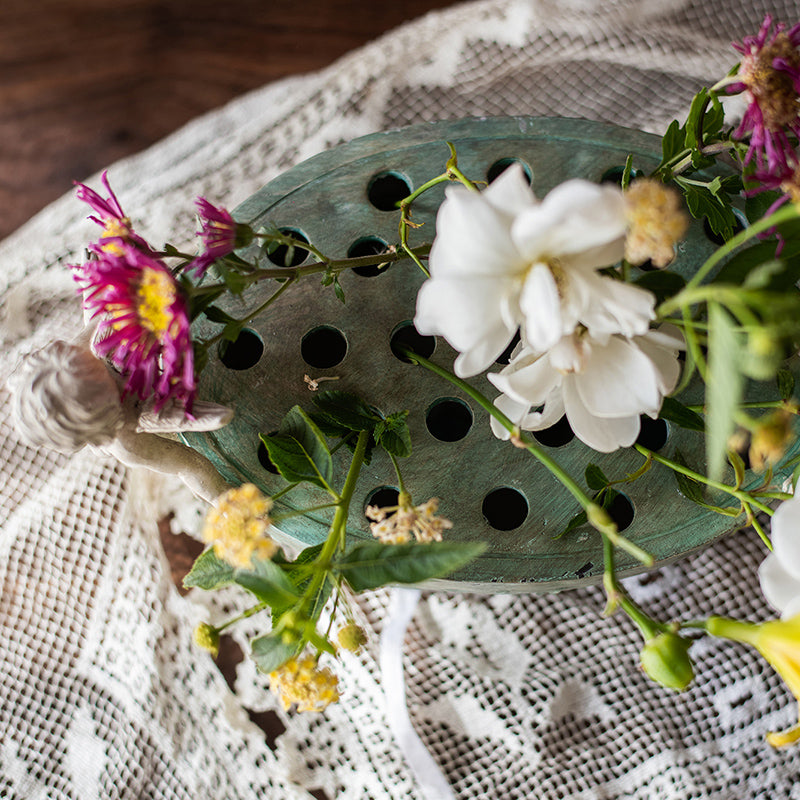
(64,398)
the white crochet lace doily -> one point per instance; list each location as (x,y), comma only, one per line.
(102,693)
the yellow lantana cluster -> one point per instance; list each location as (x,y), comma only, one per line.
(397,524)
(302,682)
(237,526)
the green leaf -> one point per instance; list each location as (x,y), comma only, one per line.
(673,410)
(393,435)
(693,124)
(269,652)
(673,140)
(337,289)
(724,386)
(785,381)
(209,572)
(268,582)
(702,203)
(737,462)
(298,450)
(595,477)
(369,565)
(581,518)
(688,487)
(346,410)
(662,283)
(216,314)
(756,206)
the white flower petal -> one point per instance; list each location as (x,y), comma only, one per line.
(779,587)
(617,307)
(603,435)
(528,379)
(540,306)
(662,348)
(786,535)
(619,381)
(472,238)
(575,216)
(510,191)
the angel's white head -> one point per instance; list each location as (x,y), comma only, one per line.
(63,397)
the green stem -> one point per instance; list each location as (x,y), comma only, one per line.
(244,615)
(781,215)
(596,515)
(400,485)
(277,518)
(741,496)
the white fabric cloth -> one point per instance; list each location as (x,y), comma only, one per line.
(102,694)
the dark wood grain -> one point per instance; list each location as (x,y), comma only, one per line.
(85,82)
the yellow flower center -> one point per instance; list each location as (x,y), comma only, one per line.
(113,229)
(156,295)
(773,88)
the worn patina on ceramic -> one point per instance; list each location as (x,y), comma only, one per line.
(490,490)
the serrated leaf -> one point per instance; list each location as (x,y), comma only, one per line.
(393,435)
(346,410)
(673,140)
(723,388)
(269,652)
(369,565)
(268,582)
(209,572)
(694,119)
(298,450)
(595,477)
(702,203)
(785,381)
(662,283)
(674,411)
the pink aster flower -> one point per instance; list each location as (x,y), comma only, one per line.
(116,225)
(770,74)
(220,233)
(143,327)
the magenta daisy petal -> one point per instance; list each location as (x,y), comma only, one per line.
(143,327)
(221,235)
(109,215)
(770,74)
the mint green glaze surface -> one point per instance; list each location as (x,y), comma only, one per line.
(326,198)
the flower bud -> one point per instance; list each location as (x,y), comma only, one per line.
(665,659)
(207,637)
(762,355)
(352,637)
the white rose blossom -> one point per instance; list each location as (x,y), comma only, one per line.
(503,260)
(779,572)
(602,384)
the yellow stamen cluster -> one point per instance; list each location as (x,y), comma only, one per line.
(773,88)
(397,524)
(237,526)
(656,222)
(302,682)
(114,229)
(156,294)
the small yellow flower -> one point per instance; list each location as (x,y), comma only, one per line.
(207,637)
(771,439)
(352,637)
(779,642)
(656,222)
(397,524)
(302,682)
(237,526)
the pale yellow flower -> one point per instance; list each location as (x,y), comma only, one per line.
(656,222)
(237,526)
(779,642)
(303,682)
(397,524)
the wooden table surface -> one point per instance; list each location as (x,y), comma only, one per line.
(85,82)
